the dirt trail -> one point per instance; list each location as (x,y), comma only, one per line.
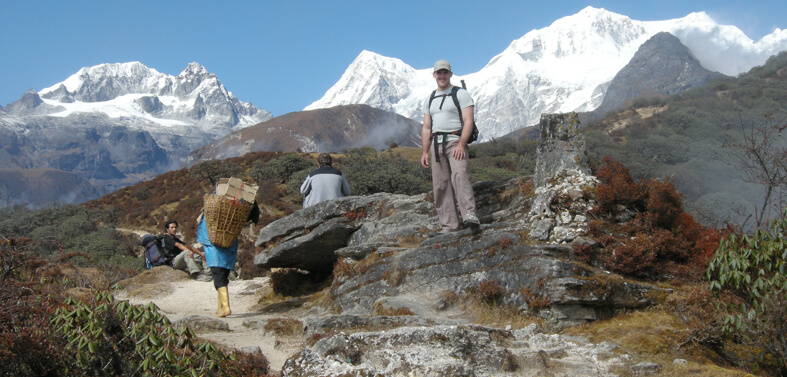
(188,297)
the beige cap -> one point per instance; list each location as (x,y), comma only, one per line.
(442,64)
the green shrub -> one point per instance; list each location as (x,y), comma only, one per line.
(280,169)
(369,172)
(754,267)
(45,331)
(212,170)
(294,184)
(108,337)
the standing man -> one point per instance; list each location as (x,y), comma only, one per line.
(324,183)
(184,254)
(449,131)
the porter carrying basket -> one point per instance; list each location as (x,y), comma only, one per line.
(225,216)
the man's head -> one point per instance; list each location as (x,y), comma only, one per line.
(442,74)
(325,160)
(171,227)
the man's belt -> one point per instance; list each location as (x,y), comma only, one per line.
(434,137)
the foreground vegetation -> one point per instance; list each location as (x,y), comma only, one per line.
(55,322)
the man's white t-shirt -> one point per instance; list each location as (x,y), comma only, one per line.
(446,119)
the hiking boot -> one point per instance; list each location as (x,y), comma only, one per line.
(472,220)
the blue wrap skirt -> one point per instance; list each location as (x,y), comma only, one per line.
(214,255)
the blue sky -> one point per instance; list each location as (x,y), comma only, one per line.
(284,55)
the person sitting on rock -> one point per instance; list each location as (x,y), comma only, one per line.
(324,183)
(184,254)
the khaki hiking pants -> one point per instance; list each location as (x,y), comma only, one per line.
(451,183)
(185,262)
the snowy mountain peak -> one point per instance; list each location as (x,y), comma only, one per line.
(699,18)
(93,76)
(195,97)
(368,59)
(194,69)
(566,66)
(370,79)
(589,15)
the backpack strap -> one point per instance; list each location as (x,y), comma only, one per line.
(456,102)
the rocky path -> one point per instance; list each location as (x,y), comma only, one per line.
(183,298)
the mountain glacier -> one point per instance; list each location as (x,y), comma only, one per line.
(564,67)
(193,98)
(118,124)
(181,112)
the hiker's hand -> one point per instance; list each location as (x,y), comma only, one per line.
(459,151)
(425,160)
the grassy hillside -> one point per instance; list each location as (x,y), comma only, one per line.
(683,137)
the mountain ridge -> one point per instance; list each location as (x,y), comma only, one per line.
(116,124)
(320,130)
(546,71)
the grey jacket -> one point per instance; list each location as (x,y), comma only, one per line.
(324,184)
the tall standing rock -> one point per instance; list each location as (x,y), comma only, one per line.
(561,147)
(559,212)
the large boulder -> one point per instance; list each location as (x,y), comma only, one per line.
(309,238)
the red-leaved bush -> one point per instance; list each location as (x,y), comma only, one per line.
(618,187)
(661,240)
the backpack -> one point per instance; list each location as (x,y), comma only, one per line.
(474,135)
(155,255)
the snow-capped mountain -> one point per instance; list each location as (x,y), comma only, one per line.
(566,66)
(195,97)
(117,124)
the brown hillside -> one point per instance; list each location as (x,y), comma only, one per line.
(323,130)
(177,196)
(44,187)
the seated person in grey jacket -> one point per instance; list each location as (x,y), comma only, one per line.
(324,183)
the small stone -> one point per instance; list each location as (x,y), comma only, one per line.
(574,193)
(645,368)
(253,350)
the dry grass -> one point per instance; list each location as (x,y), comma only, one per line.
(641,333)
(492,315)
(408,153)
(412,241)
(653,335)
(384,310)
(284,326)
(394,276)
(691,369)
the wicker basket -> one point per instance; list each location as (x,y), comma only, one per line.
(224,218)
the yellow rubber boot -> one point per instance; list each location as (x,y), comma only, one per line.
(224,300)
